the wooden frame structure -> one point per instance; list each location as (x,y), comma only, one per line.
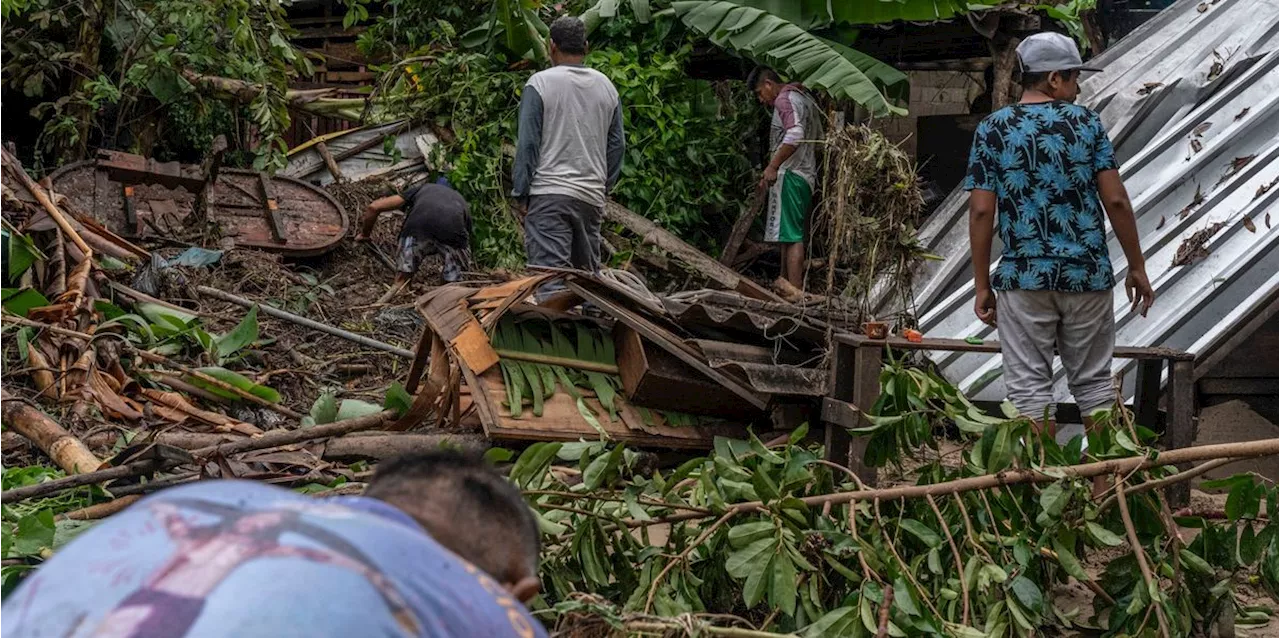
(855,384)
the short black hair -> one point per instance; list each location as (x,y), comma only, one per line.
(1029,80)
(760,74)
(569,35)
(466,506)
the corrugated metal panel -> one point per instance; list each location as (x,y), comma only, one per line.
(1194,69)
(305,162)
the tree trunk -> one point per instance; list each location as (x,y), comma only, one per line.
(1004,57)
(68,452)
(88,44)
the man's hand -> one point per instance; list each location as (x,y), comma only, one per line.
(770,176)
(984,306)
(1139,290)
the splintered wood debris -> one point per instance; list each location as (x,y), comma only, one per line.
(1193,248)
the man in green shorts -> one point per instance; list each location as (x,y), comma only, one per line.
(792,172)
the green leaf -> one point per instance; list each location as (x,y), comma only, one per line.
(1103,535)
(1243,501)
(22,253)
(1069,562)
(842,621)
(399,399)
(245,333)
(1028,594)
(324,410)
(21,301)
(902,598)
(743,562)
(1196,564)
(782,586)
(235,380)
(748,533)
(1053,499)
(354,408)
(922,532)
(165,316)
(533,463)
(758,579)
(35,532)
(601,468)
(803,57)
(798,434)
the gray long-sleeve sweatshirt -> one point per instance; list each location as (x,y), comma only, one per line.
(570,139)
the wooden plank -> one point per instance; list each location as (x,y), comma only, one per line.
(841,413)
(653,234)
(329,162)
(866,389)
(1146,395)
(740,229)
(561,421)
(993,347)
(668,342)
(1181,430)
(837,439)
(271,208)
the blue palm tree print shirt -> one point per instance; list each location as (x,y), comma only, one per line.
(1042,161)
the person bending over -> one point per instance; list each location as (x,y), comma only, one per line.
(437,220)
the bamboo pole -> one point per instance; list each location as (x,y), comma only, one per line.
(303,321)
(99,510)
(67,451)
(271,439)
(42,197)
(575,364)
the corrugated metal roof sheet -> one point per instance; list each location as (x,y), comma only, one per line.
(1188,74)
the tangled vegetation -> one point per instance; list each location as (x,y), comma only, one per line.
(751,537)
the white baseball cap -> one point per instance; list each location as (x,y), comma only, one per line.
(1047,52)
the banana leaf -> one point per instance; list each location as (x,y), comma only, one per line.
(803,57)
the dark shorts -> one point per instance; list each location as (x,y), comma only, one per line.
(413,249)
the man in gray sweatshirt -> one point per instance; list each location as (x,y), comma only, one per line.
(568,155)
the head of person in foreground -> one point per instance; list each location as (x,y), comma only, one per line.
(469,509)
(1050,64)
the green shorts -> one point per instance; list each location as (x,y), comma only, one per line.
(789,199)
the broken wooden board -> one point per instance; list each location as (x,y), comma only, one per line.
(656,379)
(653,234)
(561,421)
(311,221)
(445,310)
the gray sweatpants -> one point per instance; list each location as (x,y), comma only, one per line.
(1081,324)
(561,232)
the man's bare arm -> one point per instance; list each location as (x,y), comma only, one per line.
(1115,199)
(371,212)
(982,213)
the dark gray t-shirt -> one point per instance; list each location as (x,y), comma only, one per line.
(435,211)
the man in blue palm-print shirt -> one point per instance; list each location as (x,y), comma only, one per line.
(1046,167)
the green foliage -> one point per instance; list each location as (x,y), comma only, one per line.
(817,63)
(786,566)
(235,380)
(142,49)
(20,301)
(22,252)
(28,532)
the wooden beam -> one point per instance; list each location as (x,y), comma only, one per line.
(1181,430)
(271,208)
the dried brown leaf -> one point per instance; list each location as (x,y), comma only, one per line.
(1262,190)
(1202,7)
(1267,219)
(1248,224)
(1161,224)
(1241,114)
(1196,146)
(1200,130)
(1149,87)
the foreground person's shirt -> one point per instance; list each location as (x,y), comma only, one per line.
(235,558)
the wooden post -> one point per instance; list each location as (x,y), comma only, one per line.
(1181,429)
(1004,57)
(1146,392)
(837,440)
(866,389)
(329,162)
(209,171)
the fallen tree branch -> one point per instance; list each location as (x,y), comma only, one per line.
(67,451)
(1141,555)
(99,510)
(1168,480)
(303,321)
(273,439)
(1242,450)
